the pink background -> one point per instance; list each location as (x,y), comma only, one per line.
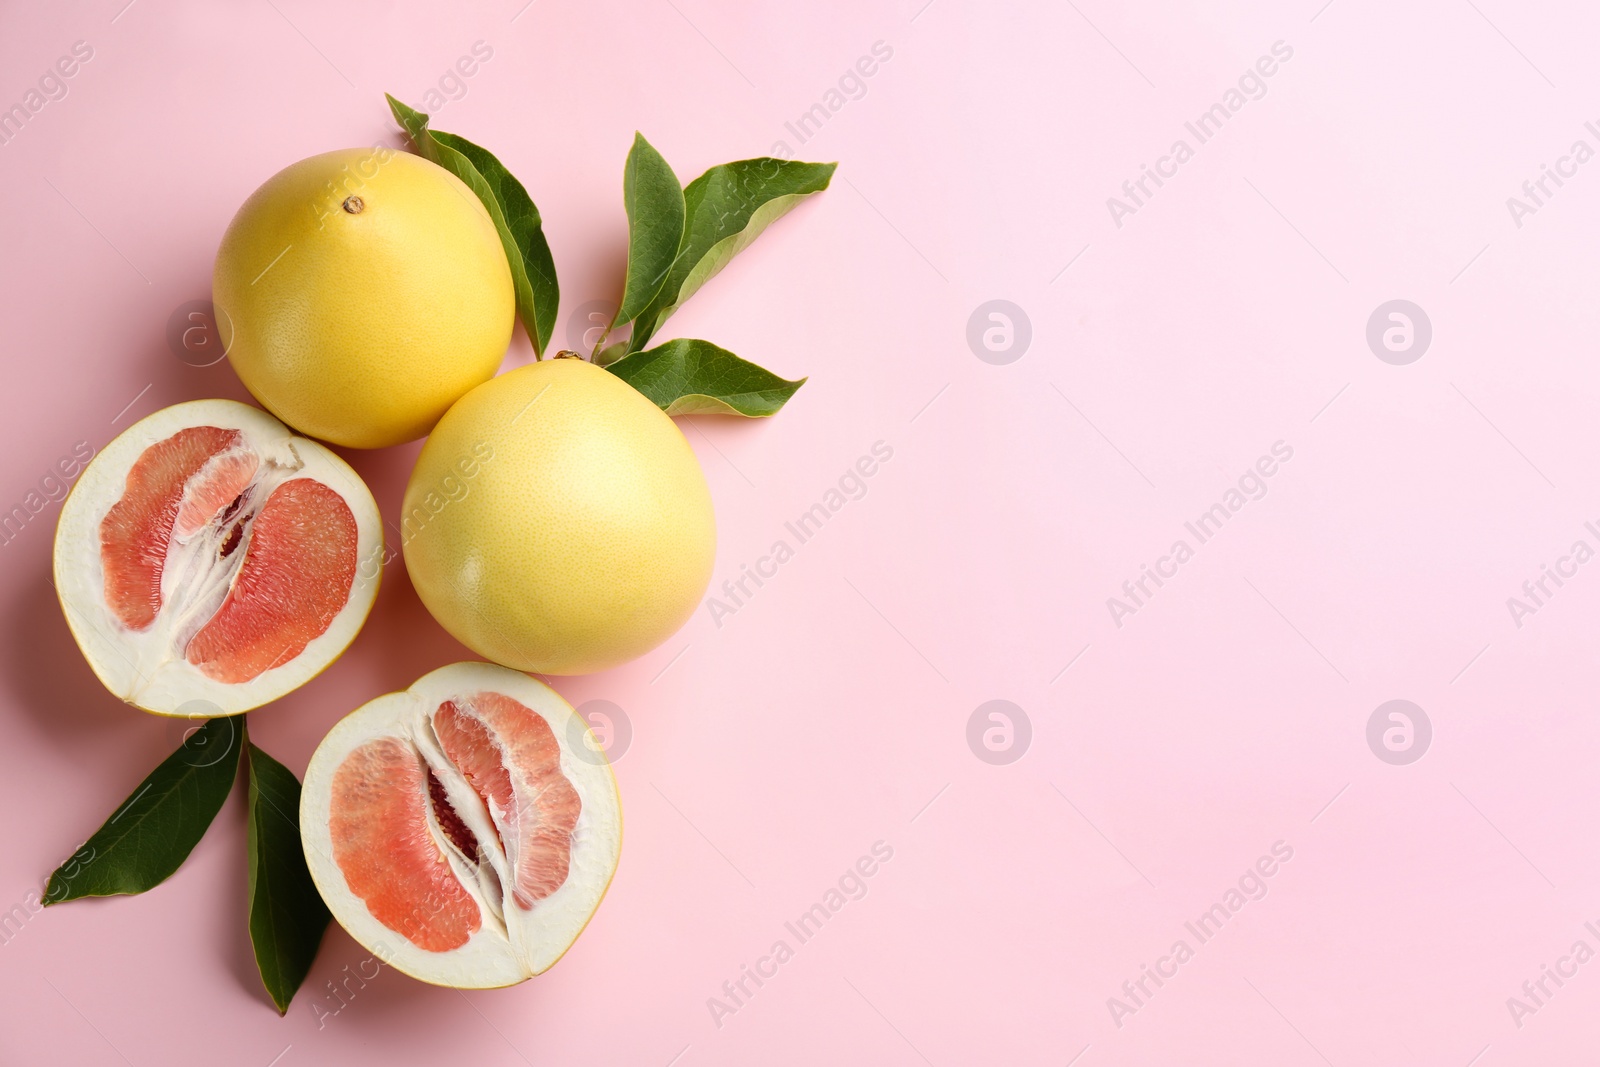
(831,711)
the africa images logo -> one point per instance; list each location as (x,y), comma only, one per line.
(1252,85)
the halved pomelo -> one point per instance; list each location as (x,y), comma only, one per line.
(210,561)
(464,830)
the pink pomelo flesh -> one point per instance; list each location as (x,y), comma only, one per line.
(250,567)
(464,830)
(296,576)
(137,530)
(383,844)
(394,827)
(508,753)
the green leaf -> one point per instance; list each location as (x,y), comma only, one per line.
(610,354)
(728,207)
(692,377)
(156,828)
(516,219)
(654,199)
(287,915)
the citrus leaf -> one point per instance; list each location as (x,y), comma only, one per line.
(610,354)
(692,377)
(287,915)
(516,219)
(654,200)
(156,828)
(727,208)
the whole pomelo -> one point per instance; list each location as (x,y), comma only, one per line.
(360,293)
(557,521)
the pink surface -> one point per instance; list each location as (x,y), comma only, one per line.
(1167,755)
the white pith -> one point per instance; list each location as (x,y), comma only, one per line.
(512,943)
(147,667)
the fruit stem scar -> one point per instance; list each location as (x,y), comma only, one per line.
(353,204)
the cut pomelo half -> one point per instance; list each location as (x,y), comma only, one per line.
(210,561)
(463,831)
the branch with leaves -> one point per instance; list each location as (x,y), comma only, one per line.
(679,238)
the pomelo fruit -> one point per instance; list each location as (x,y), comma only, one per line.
(465,830)
(557,521)
(209,561)
(359,293)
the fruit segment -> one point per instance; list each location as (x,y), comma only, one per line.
(513,763)
(136,532)
(298,568)
(467,743)
(208,561)
(390,859)
(214,488)
(466,829)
